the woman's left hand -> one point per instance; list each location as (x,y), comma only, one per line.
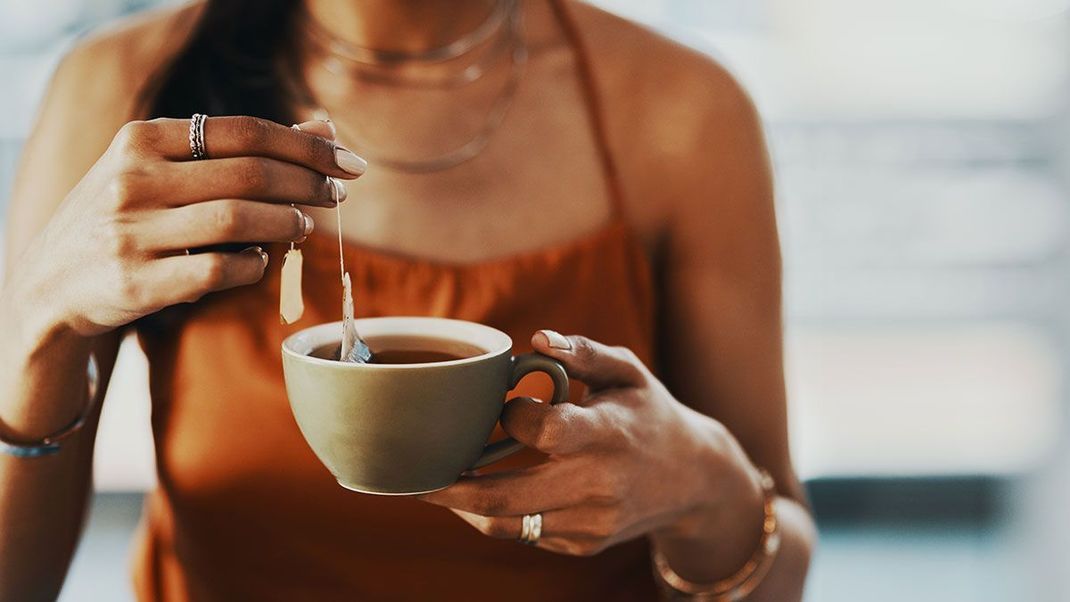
(627,460)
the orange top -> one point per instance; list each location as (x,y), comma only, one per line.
(245,511)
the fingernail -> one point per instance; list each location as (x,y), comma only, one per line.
(258,251)
(338,190)
(556,340)
(349,161)
(308,223)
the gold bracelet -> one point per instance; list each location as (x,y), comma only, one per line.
(746,580)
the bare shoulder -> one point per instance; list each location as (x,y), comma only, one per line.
(658,72)
(96,85)
(93,92)
(675,115)
(107,69)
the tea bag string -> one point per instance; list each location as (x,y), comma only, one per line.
(353,349)
(293,245)
(341,256)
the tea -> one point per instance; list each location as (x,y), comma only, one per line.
(407,350)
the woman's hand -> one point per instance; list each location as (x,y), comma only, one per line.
(116,249)
(628,460)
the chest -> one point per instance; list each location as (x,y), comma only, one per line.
(539,181)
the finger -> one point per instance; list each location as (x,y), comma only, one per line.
(185,279)
(603,530)
(587,525)
(244,136)
(571,546)
(520,492)
(513,492)
(561,429)
(253,178)
(323,128)
(598,366)
(222,221)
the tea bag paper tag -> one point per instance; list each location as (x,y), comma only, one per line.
(291,301)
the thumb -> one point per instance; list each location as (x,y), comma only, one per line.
(597,365)
(324,128)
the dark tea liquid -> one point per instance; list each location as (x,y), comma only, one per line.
(407,350)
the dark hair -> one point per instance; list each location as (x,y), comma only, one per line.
(229,65)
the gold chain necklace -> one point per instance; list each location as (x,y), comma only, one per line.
(470,148)
(343,58)
(355,53)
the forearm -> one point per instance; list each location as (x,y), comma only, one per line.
(42,505)
(715,541)
(43,387)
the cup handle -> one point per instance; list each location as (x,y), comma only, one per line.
(521,366)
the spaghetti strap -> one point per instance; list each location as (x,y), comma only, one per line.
(593,102)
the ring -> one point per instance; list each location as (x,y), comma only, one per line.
(196,136)
(531,529)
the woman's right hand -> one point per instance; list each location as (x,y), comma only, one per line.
(116,249)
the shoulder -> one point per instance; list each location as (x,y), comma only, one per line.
(676,117)
(106,69)
(658,72)
(113,62)
(93,92)
(140,41)
(95,88)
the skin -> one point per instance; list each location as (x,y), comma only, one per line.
(99,222)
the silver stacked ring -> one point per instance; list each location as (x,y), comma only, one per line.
(196,136)
(531,529)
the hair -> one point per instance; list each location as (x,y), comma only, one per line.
(230,64)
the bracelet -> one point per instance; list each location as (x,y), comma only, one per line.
(50,445)
(738,586)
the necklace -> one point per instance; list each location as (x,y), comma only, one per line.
(387,74)
(374,56)
(470,148)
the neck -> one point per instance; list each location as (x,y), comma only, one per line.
(399,25)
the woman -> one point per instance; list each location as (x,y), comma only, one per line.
(538,166)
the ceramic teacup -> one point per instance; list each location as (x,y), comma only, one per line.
(405,429)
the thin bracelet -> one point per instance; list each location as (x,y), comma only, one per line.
(738,586)
(50,445)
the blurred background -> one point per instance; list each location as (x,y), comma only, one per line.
(920,156)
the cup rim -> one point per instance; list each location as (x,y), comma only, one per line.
(320,334)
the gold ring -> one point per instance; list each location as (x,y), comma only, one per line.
(531,529)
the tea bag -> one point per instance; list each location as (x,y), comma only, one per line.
(353,348)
